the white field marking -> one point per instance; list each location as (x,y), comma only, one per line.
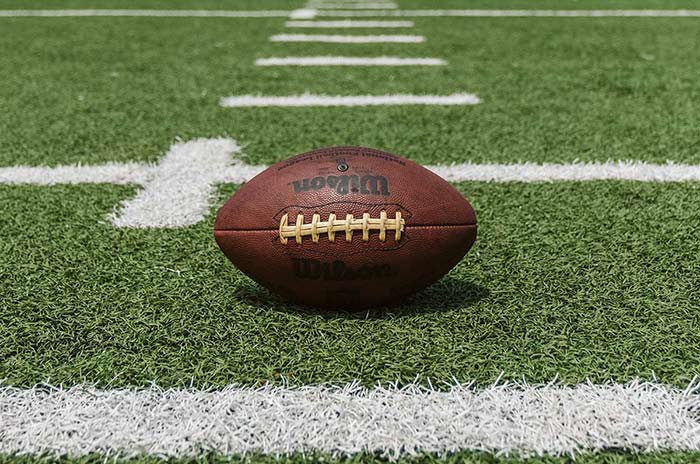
(350,13)
(517,13)
(303,13)
(352,6)
(351,39)
(348,61)
(176,192)
(349,24)
(109,173)
(551,172)
(180,191)
(392,422)
(341,100)
(154,13)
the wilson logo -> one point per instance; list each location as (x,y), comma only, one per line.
(366,185)
(314,269)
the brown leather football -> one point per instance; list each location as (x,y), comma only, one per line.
(346,227)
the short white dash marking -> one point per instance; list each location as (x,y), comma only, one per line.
(348,61)
(349,39)
(349,24)
(303,13)
(353,6)
(355,100)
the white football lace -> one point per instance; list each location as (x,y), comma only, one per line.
(316,227)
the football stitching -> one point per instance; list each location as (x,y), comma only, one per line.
(348,225)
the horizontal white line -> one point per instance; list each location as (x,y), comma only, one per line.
(309,13)
(391,422)
(355,100)
(349,24)
(516,13)
(352,6)
(348,61)
(351,39)
(154,13)
(108,173)
(550,172)
(238,172)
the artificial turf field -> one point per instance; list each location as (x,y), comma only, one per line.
(577,281)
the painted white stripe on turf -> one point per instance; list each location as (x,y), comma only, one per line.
(176,192)
(351,39)
(352,6)
(303,13)
(517,13)
(550,172)
(153,13)
(504,419)
(180,190)
(351,13)
(348,61)
(355,100)
(109,173)
(349,24)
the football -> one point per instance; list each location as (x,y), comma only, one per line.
(345,227)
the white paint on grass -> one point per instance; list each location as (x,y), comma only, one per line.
(310,13)
(354,100)
(109,173)
(348,61)
(352,6)
(347,39)
(152,13)
(177,191)
(347,24)
(174,193)
(303,13)
(578,172)
(392,422)
(517,13)
(180,191)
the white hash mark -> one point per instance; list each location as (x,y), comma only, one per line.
(350,100)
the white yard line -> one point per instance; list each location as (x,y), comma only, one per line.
(349,24)
(154,13)
(309,13)
(347,39)
(348,61)
(504,419)
(352,100)
(515,13)
(177,191)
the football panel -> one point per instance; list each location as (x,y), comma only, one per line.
(344,274)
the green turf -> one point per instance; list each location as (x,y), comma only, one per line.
(99,89)
(597,280)
(585,281)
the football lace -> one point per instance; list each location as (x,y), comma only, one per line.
(333,225)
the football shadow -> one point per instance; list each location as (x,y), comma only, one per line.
(448,294)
